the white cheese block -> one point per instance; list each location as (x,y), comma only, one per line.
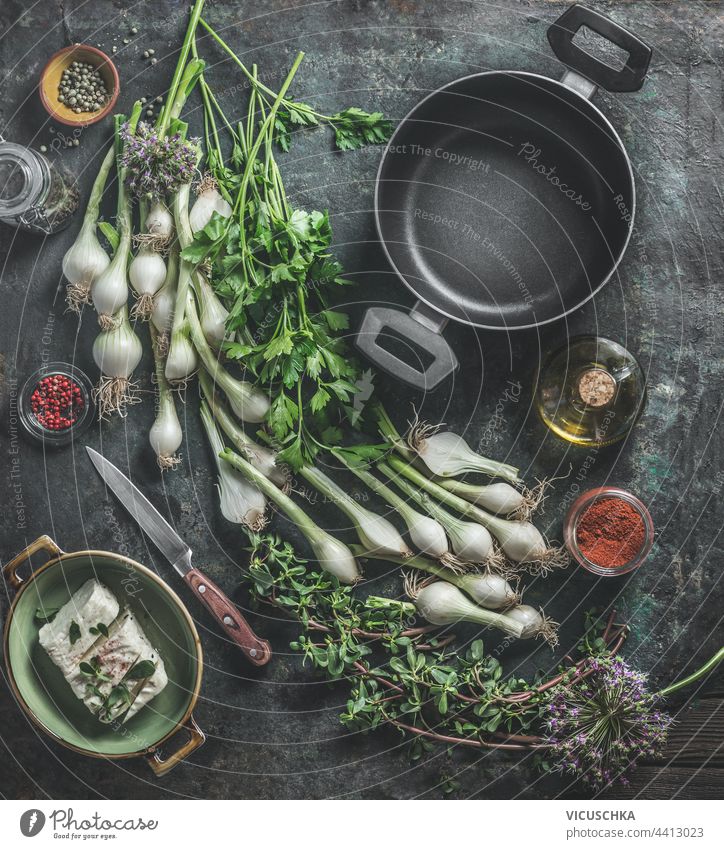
(91,604)
(126,646)
(113,656)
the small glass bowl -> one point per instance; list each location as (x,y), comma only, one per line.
(56,438)
(570,529)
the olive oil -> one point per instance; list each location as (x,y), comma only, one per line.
(591,391)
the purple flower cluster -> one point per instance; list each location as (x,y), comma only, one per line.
(598,727)
(156,166)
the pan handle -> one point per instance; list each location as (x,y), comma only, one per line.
(629,78)
(197,738)
(422,327)
(10,569)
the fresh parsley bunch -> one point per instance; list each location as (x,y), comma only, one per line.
(272,266)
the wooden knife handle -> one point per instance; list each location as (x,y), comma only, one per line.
(228,616)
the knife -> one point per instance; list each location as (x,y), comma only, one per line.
(178,553)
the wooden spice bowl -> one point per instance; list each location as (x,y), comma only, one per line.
(53,71)
(579,507)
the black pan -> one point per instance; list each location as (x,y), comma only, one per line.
(504,200)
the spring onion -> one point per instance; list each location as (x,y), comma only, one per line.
(441,603)
(427,534)
(521,541)
(448,455)
(208,201)
(116,351)
(248,403)
(374,531)
(333,556)
(213,314)
(444,604)
(488,589)
(534,623)
(159,226)
(164,303)
(182,361)
(147,273)
(86,259)
(110,290)
(165,435)
(500,497)
(471,542)
(241,501)
(259,456)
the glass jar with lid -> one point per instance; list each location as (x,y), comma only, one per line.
(35,195)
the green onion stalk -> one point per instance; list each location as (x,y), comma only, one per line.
(471,541)
(520,541)
(333,556)
(86,259)
(166,435)
(248,403)
(486,589)
(375,532)
(110,289)
(181,361)
(427,534)
(178,88)
(261,457)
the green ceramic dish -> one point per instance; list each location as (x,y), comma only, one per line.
(44,694)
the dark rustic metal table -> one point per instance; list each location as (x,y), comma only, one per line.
(274,733)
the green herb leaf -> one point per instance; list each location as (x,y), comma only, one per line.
(46,614)
(355,128)
(74,632)
(143,669)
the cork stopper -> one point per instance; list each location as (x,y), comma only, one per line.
(596,387)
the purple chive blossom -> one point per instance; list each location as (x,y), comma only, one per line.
(156,167)
(598,728)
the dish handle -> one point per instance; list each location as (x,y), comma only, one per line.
(10,569)
(629,78)
(421,327)
(197,738)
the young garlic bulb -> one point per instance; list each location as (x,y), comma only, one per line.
(208,201)
(147,274)
(117,352)
(110,290)
(83,264)
(241,502)
(86,260)
(213,314)
(159,226)
(448,455)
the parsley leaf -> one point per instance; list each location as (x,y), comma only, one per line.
(46,614)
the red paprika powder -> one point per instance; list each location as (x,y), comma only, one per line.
(610,532)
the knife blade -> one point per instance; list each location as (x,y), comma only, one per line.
(178,553)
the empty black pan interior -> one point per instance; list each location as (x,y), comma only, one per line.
(504,199)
